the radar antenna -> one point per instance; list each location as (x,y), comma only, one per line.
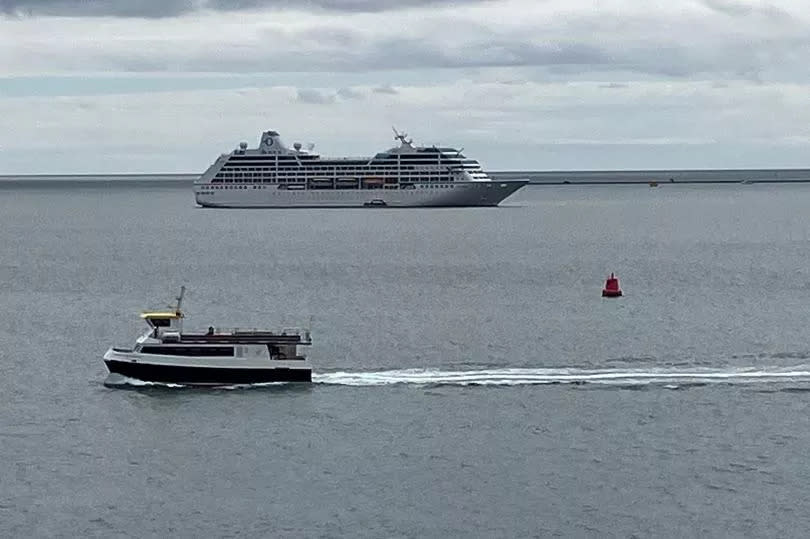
(310,146)
(402,137)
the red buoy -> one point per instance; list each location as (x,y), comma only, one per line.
(611,289)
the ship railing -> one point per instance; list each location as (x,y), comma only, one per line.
(303,333)
(349,158)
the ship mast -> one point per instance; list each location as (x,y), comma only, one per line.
(177,308)
(402,137)
(180,297)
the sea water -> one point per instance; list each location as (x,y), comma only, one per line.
(469,380)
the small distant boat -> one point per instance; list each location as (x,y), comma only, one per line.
(167,354)
(653,184)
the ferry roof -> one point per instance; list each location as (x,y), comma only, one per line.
(161,314)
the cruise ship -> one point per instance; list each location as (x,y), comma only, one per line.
(276,176)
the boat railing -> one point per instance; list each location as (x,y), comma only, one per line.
(304,334)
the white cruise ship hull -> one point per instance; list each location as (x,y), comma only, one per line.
(458,194)
(205,371)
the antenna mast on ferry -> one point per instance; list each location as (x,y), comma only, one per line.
(180,297)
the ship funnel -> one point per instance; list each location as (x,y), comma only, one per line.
(271,143)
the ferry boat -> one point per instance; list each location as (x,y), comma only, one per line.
(275,176)
(167,354)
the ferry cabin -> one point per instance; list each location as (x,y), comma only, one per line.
(167,338)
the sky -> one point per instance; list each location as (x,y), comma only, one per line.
(165,86)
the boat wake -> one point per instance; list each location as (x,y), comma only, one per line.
(667,378)
(117,380)
(540,376)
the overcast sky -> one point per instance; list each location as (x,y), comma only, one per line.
(167,85)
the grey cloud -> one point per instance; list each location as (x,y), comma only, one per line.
(325,35)
(368,6)
(733,57)
(739,59)
(172,8)
(728,7)
(582,45)
(521,53)
(735,8)
(315,97)
(407,53)
(386,89)
(349,93)
(118,8)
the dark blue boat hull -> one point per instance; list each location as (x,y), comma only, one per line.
(184,375)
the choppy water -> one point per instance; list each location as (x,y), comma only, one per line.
(470,381)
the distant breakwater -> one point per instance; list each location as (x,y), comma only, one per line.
(657,176)
(536,177)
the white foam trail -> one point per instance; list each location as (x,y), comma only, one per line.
(508,377)
(669,379)
(116,380)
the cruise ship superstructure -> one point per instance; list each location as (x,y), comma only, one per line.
(275,176)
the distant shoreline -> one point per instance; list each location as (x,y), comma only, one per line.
(557,177)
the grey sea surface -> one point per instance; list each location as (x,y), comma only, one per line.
(469,379)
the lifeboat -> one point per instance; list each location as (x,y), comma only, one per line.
(611,289)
